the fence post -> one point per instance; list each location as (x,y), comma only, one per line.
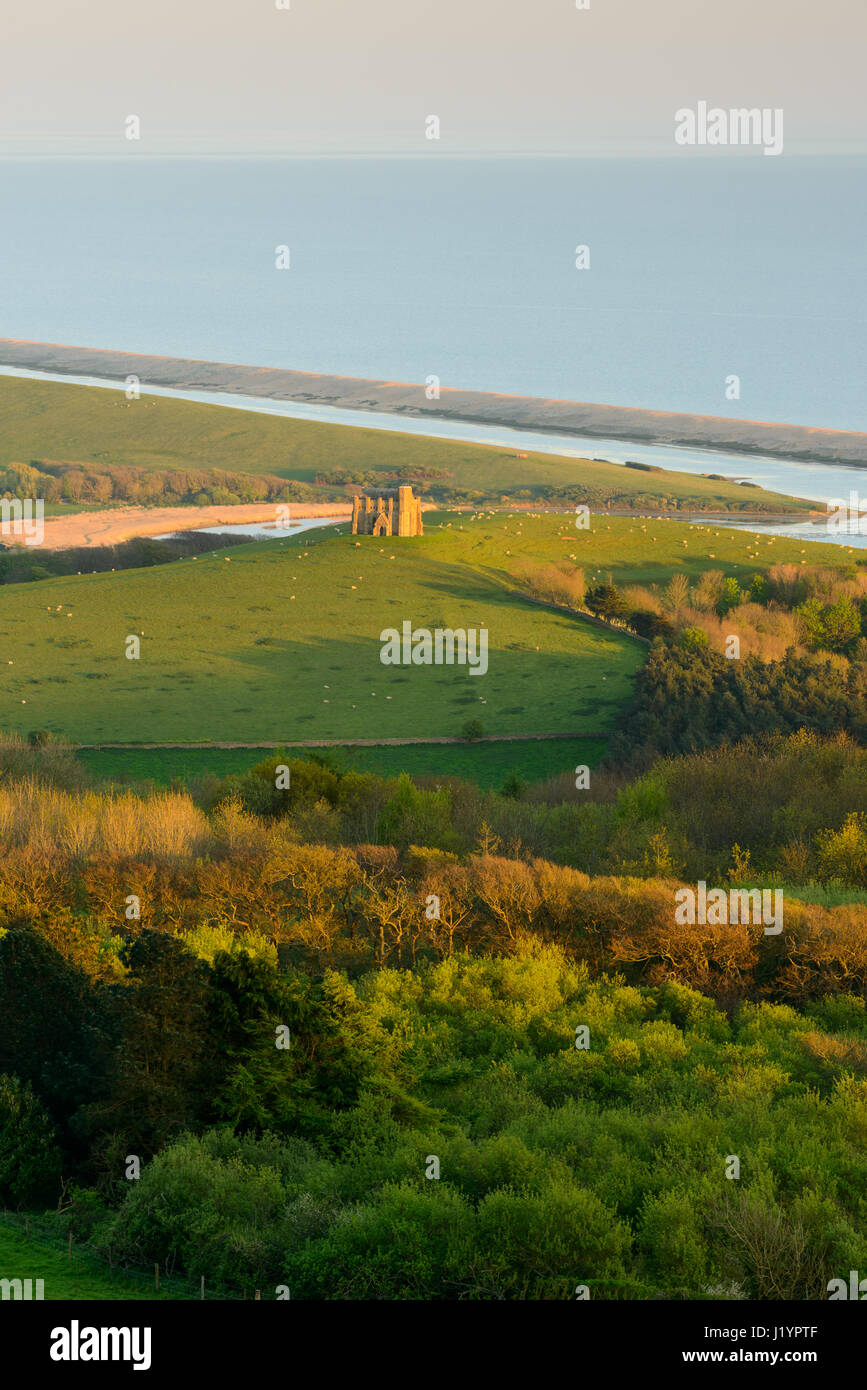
(69,1252)
(203,1286)
(258,1294)
(157,1277)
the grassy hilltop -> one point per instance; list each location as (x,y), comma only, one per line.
(280,640)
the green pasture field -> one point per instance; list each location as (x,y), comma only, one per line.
(100,428)
(629,550)
(484,764)
(281,639)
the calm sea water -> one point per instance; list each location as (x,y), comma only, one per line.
(464,269)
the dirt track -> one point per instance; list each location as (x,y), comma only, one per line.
(349,742)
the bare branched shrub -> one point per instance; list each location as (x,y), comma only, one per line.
(767,633)
(240,835)
(640,599)
(786,583)
(708,591)
(675,595)
(52,760)
(557,583)
(774,1253)
(48,822)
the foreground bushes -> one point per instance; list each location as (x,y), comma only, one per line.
(320,905)
(30,1158)
(794,804)
(557,1166)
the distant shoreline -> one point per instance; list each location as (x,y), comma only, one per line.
(799,443)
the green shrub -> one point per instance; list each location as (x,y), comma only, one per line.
(30,1158)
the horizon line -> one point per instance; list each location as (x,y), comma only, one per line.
(721,154)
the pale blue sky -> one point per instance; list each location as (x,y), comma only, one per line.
(361,76)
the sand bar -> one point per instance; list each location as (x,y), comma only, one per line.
(122,523)
(798,442)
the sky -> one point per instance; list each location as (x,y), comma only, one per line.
(363,76)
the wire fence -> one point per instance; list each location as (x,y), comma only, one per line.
(154,1282)
(148,1282)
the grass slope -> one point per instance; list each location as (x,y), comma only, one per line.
(81,1277)
(229,653)
(632,550)
(280,640)
(96,426)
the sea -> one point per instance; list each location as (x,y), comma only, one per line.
(699,270)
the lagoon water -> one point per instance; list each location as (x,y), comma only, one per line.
(465,269)
(260,530)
